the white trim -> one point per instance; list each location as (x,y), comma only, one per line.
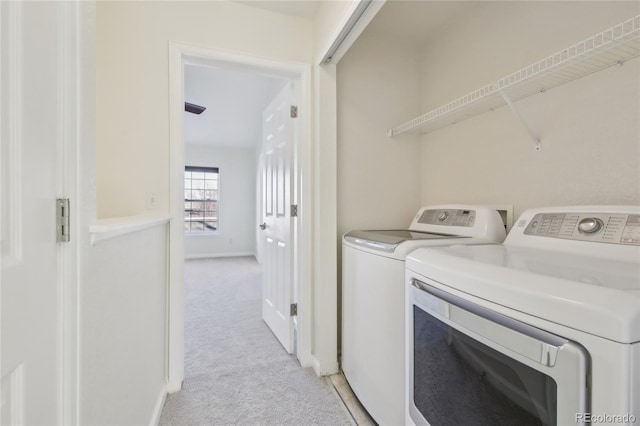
(13,390)
(105,229)
(355,32)
(15,138)
(189,234)
(15,111)
(213,255)
(75,69)
(324,249)
(303,225)
(157,409)
(179,54)
(175,301)
(84,207)
(67,142)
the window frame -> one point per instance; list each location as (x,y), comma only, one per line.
(202,169)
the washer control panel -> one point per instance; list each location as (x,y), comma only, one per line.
(448,217)
(595,227)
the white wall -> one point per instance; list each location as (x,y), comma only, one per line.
(237,220)
(123,306)
(132,83)
(589,128)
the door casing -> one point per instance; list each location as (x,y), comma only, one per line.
(179,55)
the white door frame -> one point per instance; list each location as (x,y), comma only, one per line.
(73,71)
(179,55)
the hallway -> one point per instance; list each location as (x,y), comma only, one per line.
(236,372)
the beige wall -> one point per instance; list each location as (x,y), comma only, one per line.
(589,128)
(132,128)
(378,177)
(132,87)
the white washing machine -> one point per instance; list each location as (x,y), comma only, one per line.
(373,268)
(544,329)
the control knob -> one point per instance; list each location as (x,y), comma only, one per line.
(590,225)
(443,216)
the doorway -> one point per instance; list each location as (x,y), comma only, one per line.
(183,58)
(223,140)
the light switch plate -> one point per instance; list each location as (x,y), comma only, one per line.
(151,200)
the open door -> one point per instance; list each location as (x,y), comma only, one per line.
(276,229)
(34,124)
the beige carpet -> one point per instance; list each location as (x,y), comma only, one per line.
(236,372)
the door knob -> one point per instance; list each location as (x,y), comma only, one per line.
(263,226)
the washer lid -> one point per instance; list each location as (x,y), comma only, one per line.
(595,295)
(388,240)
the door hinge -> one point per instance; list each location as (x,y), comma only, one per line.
(294,111)
(62,220)
(294,309)
(294,210)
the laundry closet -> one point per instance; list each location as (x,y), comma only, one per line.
(523,104)
(415,57)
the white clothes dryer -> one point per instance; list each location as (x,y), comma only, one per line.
(544,329)
(373,268)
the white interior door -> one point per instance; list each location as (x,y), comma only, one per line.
(276,228)
(29,293)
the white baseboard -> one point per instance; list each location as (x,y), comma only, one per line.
(324,370)
(210,255)
(157,410)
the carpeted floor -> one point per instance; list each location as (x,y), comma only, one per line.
(236,372)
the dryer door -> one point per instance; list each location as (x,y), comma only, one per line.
(471,365)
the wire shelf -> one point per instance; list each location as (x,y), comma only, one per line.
(610,47)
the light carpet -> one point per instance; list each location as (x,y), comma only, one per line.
(236,371)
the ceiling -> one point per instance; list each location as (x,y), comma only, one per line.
(234,100)
(418,22)
(300,8)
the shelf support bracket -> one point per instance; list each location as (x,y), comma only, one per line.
(515,111)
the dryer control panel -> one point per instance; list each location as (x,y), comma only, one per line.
(448,217)
(594,227)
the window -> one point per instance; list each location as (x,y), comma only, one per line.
(200,199)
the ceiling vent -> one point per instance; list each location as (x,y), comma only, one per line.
(193,108)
